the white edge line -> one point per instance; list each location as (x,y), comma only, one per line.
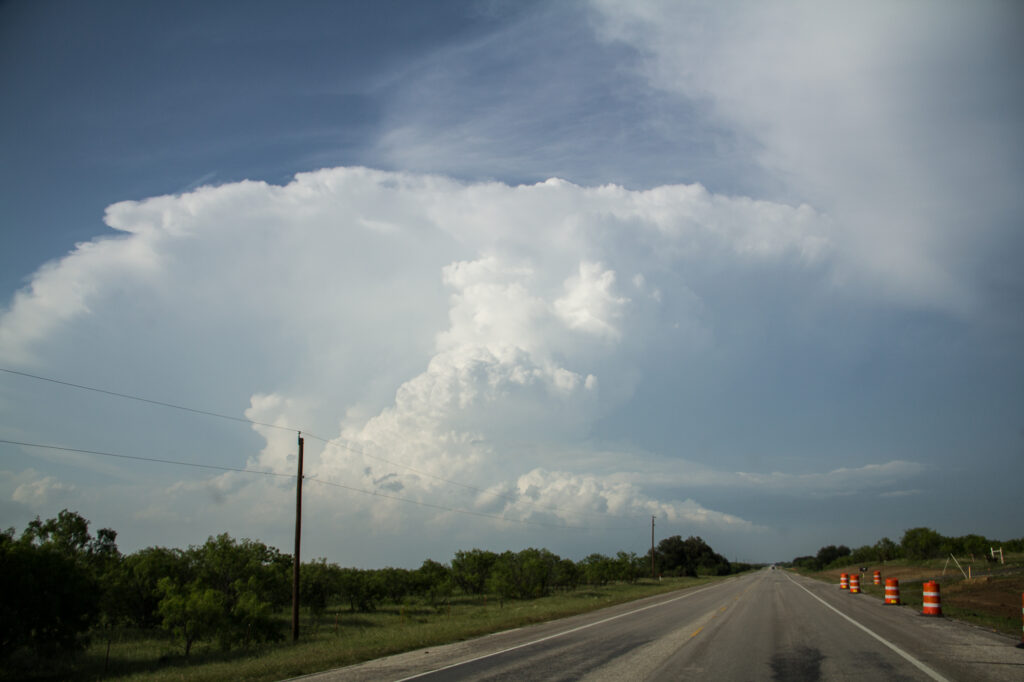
(916,663)
(560,634)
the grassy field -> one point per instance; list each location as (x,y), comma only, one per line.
(340,638)
(990,597)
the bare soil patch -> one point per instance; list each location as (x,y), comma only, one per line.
(997,596)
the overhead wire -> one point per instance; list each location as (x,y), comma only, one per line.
(128,396)
(146,459)
(329,442)
(316,479)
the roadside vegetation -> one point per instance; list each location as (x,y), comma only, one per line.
(976,585)
(72,606)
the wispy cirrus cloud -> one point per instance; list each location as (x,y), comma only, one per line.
(881,116)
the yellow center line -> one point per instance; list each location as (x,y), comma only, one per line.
(711,615)
(701,628)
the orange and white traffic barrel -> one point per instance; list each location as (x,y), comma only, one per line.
(932,603)
(1021,645)
(892,591)
(854,584)
(878,577)
(844,581)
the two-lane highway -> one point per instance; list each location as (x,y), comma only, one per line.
(762,626)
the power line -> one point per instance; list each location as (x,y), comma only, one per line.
(322,481)
(146,459)
(329,442)
(128,396)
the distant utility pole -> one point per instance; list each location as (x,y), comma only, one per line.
(654,576)
(298,540)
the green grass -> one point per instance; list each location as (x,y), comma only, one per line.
(340,638)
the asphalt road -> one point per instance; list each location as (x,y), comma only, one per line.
(769,625)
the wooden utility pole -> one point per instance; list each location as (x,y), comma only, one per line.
(654,575)
(298,540)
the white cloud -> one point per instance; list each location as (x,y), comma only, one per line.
(278,420)
(61,291)
(844,480)
(35,490)
(256,246)
(438,330)
(589,304)
(867,477)
(587,499)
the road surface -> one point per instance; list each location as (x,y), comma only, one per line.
(768,625)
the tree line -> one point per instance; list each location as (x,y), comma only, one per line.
(60,585)
(917,543)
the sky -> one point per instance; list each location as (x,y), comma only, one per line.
(523,274)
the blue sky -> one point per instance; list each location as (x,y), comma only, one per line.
(752,269)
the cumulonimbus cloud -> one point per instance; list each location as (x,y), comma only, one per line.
(442,322)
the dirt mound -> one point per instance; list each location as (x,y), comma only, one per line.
(997,596)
